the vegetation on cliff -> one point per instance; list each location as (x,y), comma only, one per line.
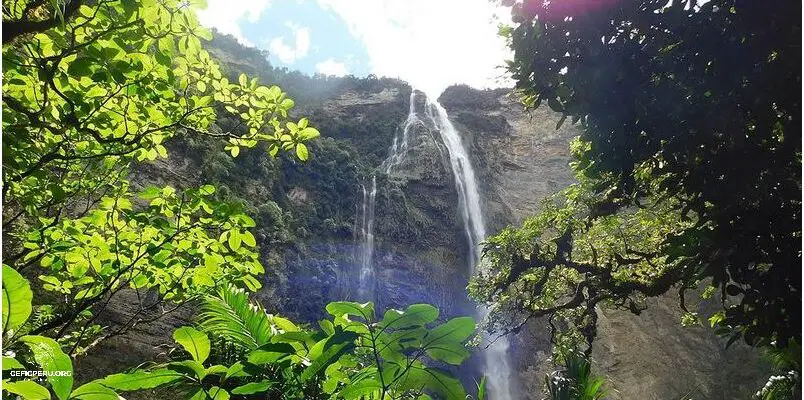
(89,88)
(688,167)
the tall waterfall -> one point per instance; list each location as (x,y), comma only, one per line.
(396,155)
(495,356)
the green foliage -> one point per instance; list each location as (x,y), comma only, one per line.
(193,342)
(181,244)
(690,171)
(89,88)
(17,297)
(28,390)
(50,358)
(575,380)
(110,85)
(786,382)
(569,257)
(353,356)
(232,316)
(45,353)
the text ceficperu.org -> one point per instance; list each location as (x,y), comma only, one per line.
(27,373)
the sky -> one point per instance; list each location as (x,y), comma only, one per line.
(429,43)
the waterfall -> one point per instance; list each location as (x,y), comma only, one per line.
(495,356)
(366,284)
(396,155)
(399,148)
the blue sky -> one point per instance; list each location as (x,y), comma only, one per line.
(429,43)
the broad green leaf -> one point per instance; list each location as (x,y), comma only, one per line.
(234,240)
(17,296)
(138,380)
(309,133)
(393,344)
(93,391)
(333,348)
(206,190)
(194,342)
(248,239)
(28,390)
(455,330)
(433,380)
(189,367)
(340,308)
(414,315)
(217,370)
(253,387)
(270,353)
(235,369)
(451,353)
(81,66)
(49,356)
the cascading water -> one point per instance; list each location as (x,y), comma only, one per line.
(400,146)
(496,355)
(366,284)
(396,155)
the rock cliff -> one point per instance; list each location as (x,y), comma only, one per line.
(307,215)
(523,158)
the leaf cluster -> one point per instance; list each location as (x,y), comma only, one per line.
(690,112)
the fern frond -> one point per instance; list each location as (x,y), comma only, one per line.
(231,315)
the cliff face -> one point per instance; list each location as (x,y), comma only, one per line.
(522,159)
(308,215)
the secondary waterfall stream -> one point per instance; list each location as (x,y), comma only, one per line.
(367,282)
(497,367)
(398,150)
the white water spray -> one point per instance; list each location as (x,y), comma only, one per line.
(366,284)
(495,356)
(397,154)
(399,148)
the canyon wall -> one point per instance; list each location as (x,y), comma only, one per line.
(307,214)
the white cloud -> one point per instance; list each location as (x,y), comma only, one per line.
(431,44)
(226,14)
(332,67)
(289,54)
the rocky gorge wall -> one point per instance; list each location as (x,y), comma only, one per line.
(523,158)
(307,215)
